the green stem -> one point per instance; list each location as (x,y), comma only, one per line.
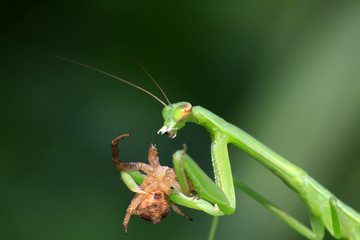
(213,227)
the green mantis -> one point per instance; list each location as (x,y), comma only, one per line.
(216,199)
(324,209)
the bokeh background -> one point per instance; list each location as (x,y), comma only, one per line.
(287,72)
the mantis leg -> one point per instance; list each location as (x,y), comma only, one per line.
(335,217)
(316,224)
(209,193)
(183,179)
(132,182)
(191,176)
(222,191)
(198,204)
(338,220)
(222,170)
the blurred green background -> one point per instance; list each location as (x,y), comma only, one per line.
(287,72)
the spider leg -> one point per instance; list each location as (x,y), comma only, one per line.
(131,210)
(133,166)
(115,151)
(176,209)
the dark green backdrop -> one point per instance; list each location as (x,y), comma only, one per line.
(286,72)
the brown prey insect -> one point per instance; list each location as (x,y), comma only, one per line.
(151,201)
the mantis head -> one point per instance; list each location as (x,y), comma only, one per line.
(175,116)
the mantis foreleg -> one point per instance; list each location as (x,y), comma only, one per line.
(133,179)
(211,198)
(187,169)
(222,170)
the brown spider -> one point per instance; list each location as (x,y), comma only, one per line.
(151,201)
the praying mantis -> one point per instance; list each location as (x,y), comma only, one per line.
(217,199)
(325,210)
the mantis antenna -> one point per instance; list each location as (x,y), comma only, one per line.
(143,68)
(116,77)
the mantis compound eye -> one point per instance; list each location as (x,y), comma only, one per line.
(182,112)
